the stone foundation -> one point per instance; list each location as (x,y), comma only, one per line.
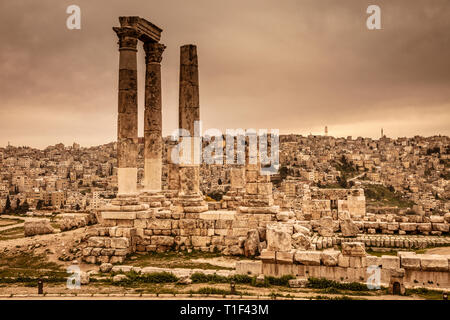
(350,265)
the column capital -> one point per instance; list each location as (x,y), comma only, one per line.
(128,38)
(153,52)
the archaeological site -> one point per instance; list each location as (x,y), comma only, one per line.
(202,213)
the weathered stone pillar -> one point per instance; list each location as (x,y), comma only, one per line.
(189,112)
(189,100)
(153,117)
(127,134)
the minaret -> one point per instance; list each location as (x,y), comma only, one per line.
(326,131)
(382,134)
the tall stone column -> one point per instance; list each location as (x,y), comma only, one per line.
(153,117)
(127,134)
(189,100)
(189,112)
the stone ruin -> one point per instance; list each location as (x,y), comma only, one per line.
(285,229)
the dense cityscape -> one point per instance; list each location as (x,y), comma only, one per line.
(409,173)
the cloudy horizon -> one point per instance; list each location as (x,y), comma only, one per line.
(296,66)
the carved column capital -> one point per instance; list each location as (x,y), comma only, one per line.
(128,38)
(153,52)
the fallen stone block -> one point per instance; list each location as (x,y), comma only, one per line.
(33,228)
(298,283)
(330,257)
(279,237)
(356,249)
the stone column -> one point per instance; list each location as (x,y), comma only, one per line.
(189,101)
(127,134)
(189,112)
(153,117)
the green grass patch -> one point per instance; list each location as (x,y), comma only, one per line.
(135,278)
(214,278)
(379,253)
(322,283)
(212,290)
(427,294)
(282,281)
(380,195)
(26,268)
(242,279)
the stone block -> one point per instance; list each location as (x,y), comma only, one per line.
(198,241)
(162,224)
(308,258)
(433,262)
(390,262)
(251,188)
(249,267)
(284,257)
(409,227)
(279,237)
(437,219)
(114,215)
(267,256)
(162,241)
(442,227)
(356,249)
(140,223)
(298,283)
(373,261)
(97,242)
(120,243)
(330,257)
(410,261)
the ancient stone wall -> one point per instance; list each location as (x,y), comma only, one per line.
(350,265)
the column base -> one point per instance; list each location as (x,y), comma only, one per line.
(152,175)
(127,181)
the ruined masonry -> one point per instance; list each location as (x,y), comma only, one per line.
(296,231)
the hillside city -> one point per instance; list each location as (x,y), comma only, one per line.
(404,173)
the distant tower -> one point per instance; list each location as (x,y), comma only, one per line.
(382,133)
(326,131)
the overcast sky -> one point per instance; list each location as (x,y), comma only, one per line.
(293,65)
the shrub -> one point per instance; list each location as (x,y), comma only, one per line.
(281,281)
(214,278)
(211,290)
(323,283)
